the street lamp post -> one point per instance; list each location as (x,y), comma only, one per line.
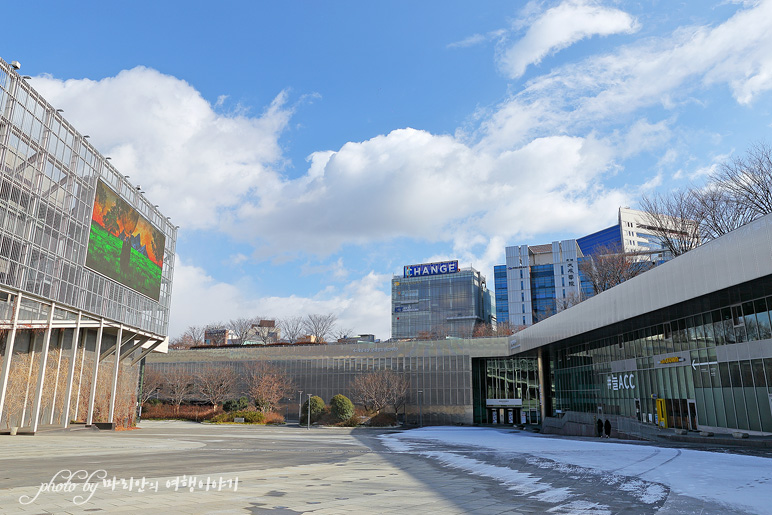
(420,412)
(300,406)
(309,411)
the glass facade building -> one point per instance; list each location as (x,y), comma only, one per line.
(500,288)
(686,345)
(439,372)
(506,391)
(450,304)
(710,369)
(63,320)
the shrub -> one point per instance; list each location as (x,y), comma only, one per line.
(341,408)
(351,422)
(383,420)
(274,418)
(317,409)
(240,404)
(250,417)
(184,412)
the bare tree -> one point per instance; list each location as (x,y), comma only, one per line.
(267,385)
(178,385)
(241,327)
(318,326)
(291,328)
(720,211)
(340,333)
(377,390)
(674,218)
(192,336)
(748,179)
(609,265)
(215,383)
(195,334)
(397,386)
(265,331)
(179,343)
(481,330)
(571,299)
(152,382)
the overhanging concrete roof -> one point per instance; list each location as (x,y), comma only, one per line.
(735,258)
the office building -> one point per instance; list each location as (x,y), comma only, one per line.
(439,299)
(86,267)
(501,298)
(545,279)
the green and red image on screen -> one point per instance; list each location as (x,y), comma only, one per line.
(124,245)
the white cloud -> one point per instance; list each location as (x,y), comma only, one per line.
(362,304)
(476,39)
(413,184)
(191,160)
(603,90)
(560,27)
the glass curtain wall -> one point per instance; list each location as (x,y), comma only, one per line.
(691,371)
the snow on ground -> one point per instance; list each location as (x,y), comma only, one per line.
(729,479)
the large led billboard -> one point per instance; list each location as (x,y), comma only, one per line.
(123,245)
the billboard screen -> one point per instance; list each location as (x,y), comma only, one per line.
(123,245)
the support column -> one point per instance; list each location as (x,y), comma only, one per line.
(83,337)
(545,387)
(71,375)
(114,386)
(42,372)
(92,394)
(8,357)
(56,379)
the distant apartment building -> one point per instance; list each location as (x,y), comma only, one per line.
(219,336)
(541,280)
(262,333)
(439,299)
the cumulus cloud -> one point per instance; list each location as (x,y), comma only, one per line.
(413,184)
(189,158)
(198,298)
(560,27)
(604,90)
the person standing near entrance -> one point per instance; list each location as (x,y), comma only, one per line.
(600,428)
(607,428)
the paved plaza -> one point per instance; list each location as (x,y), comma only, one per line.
(181,467)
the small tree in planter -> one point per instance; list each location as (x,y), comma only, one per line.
(341,408)
(317,409)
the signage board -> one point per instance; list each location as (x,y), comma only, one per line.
(426,269)
(672,359)
(504,402)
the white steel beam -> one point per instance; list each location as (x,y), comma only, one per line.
(42,372)
(71,375)
(9,353)
(114,386)
(94,376)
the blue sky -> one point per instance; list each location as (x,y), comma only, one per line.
(310,150)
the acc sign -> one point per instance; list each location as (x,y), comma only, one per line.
(444,267)
(621,382)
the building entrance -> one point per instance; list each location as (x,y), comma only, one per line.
(507,416)
(677,413)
